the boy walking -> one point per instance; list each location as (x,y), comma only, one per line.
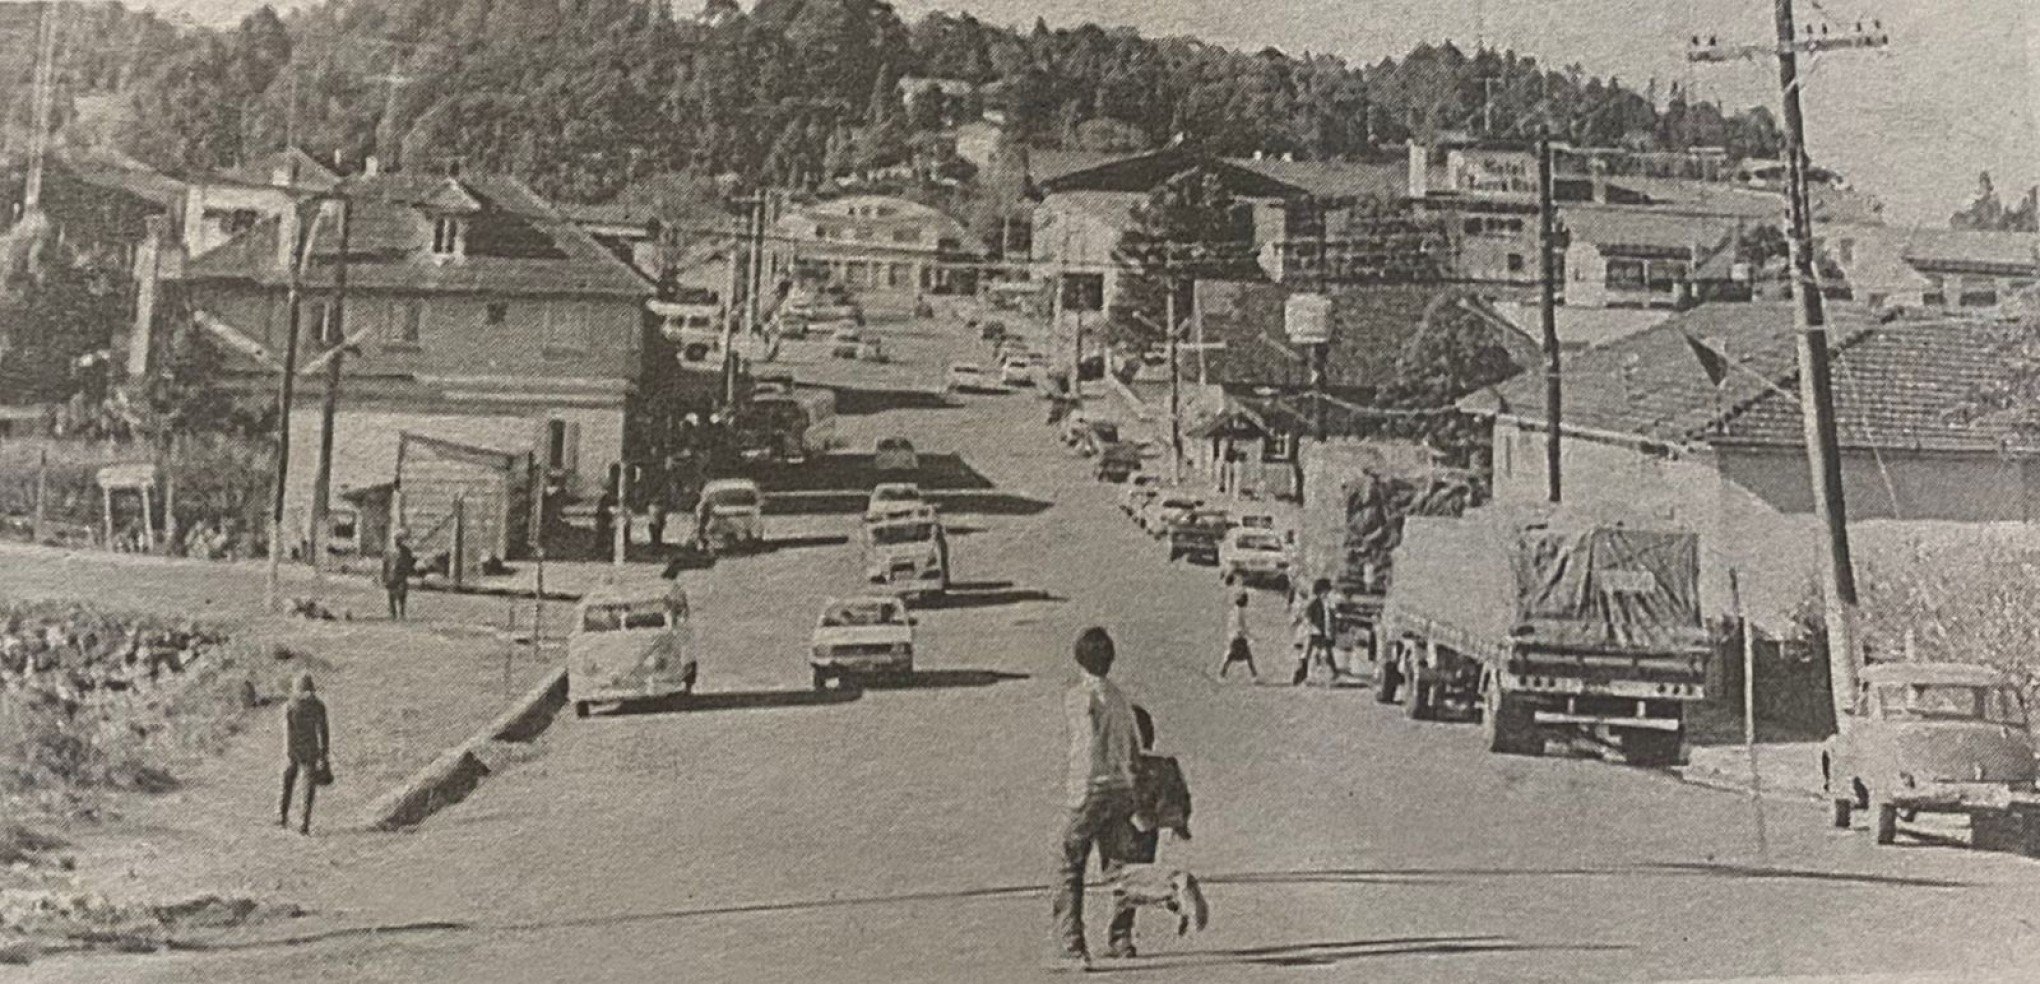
(1099,800)
(398,565)
(1238,647)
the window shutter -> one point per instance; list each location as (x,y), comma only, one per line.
(572,458)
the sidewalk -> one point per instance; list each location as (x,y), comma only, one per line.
(1784,768)
(398,695)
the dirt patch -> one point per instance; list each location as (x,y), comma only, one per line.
(42,922)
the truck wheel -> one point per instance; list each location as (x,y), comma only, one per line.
(1844,812)
(1509,724)
(580,708)
(821,680)
(1887,822)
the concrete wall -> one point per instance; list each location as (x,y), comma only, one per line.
(1753,508)
(207,209)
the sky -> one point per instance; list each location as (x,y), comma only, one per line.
(1957,92)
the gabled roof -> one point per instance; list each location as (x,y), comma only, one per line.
(1044,166)
(1612,227)
(1383,180)
(1147,171)
(302,171)
(1974,249)
(1904,385)
(1371,327)
(516,244)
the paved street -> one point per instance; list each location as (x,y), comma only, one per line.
(769,833)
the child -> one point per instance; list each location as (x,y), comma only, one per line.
(1238,648)
(1161,801)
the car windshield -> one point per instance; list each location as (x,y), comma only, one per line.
(611,618)
(736,497)
(899,533)
(895,493)
(1951,702)
(964,370)
(1260,541)
(863,612)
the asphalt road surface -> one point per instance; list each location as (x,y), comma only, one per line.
(768,833)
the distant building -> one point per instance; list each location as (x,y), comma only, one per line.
(483,318)
(1630,256)
(1954,270)
(1649,429)
(889,251)
(219,207)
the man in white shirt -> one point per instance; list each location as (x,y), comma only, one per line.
(1103,743)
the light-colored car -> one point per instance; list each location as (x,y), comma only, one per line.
(730,516)
(630,643)
(1168,512)
(1930,738)
(893,499)
(1017,372)
(907,552)
(967,377)
(895,454)
(864,636)
(1252,554)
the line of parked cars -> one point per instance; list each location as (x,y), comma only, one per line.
(1246,548)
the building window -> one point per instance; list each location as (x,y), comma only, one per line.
(496,312)
(446,236)
(1935,294)
(1625,274)
(1278,448)
(906,236)
(565,328)
(556,445)
(410,320)
(1979,297)
(1515,263)
(314,316)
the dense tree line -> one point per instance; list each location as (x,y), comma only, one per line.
(583,97)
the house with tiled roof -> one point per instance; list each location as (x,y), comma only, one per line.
(1697,421)
(1977,272)
(477,315)
(1640,257)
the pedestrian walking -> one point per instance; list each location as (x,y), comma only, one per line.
(308,747)
(1099,793)
(1238,647)
(398,566)
(1317,617)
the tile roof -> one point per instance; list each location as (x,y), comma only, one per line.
(1903,385)
(1974,248)
(1371,326)
(1646,228)
(517,243)
(1044,166)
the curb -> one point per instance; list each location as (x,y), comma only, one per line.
(449,778)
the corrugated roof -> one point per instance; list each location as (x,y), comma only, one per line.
(1905,385)
(516,244)
(1384,180)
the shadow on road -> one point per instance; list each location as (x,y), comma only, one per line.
(733,700)
(984,594)
(859,402)
(1329,954)
(943,679)
(1849,877)
(806,542)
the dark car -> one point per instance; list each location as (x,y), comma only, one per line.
(1198,536)
(1117,462)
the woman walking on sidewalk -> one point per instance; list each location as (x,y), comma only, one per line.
(1238,647)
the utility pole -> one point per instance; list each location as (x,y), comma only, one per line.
(42,104)
(1175,381)
(1816,384)
(336,335)
(1547,310)
(287,391)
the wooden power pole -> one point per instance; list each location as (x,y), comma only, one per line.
(1547,310)
(1816,383)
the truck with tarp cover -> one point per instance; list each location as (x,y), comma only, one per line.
(1551,625)
(1352,526)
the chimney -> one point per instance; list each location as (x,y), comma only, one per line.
(1420,170)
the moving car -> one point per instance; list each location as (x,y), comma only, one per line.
(1930,738)
(908,551)
(895,454)
(865,636)
(893,499)
(630,643)
(1196,536)
(1017,372)
(730,516)
(1253,554)
(966,377)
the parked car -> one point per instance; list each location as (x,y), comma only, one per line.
(1253,554)
(865,636)
(1168,512)
(1138,491)
(1930,738)
(1117,462)
(966,377)
(895,454)
(1016,372)
(893,499)
(846,333)
(1197,536)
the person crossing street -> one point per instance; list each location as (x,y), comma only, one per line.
(1317,619)
(1099,805)
(1239,647)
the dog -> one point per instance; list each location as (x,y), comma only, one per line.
(1173,889)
